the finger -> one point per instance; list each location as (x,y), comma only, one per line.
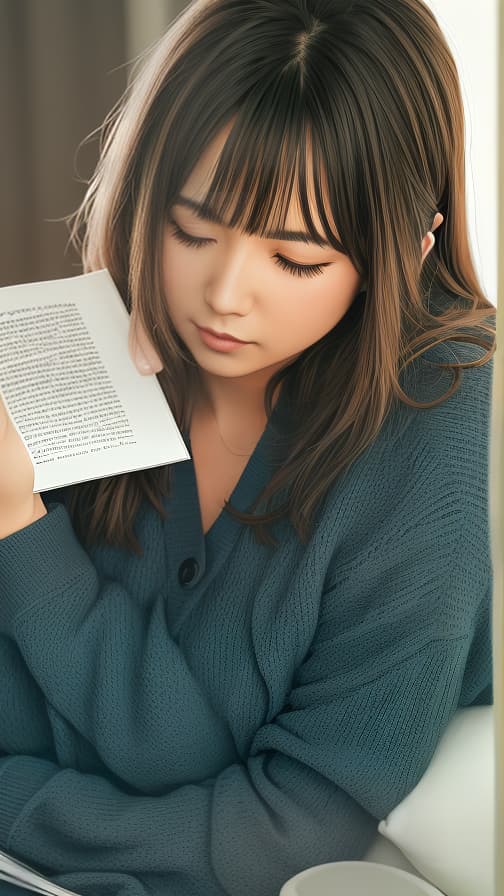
(4,417)
(142,351)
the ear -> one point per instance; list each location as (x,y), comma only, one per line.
(429,238)
(427,244)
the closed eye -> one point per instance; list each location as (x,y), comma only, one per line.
(298,270)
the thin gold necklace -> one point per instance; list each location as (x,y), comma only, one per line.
(236,453)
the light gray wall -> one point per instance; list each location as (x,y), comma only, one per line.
(471,30)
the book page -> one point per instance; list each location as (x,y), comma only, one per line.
(71,387)
(21,875)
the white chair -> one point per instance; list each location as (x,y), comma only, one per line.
(440,838)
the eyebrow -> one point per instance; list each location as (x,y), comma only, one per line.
(297,236)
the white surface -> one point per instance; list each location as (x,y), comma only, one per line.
(384,852)
(356,879)
(445,826)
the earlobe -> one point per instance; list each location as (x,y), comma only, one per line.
(429,238)
(427,244)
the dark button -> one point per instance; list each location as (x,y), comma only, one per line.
(187,570)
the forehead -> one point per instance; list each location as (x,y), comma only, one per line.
(198,183)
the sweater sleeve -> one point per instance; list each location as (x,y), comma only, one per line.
(24,721)
(108,668)
(316,780)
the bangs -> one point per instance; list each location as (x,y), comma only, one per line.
(266,158)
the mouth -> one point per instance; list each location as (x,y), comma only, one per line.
(224,336)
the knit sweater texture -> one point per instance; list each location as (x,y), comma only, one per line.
(215,716)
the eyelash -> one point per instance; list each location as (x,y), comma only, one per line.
(298,270)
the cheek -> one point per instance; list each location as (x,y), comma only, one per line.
(308,312)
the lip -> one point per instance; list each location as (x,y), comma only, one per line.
(224,336)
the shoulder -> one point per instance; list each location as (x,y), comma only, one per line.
(438,444)
(456,432)
(417,499)
(428,379)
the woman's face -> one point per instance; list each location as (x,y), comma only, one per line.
(238,284)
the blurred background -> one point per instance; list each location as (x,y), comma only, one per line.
(63,65)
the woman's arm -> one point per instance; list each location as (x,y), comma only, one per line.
(30,725)
(24,723)
(312,789)
(109,670)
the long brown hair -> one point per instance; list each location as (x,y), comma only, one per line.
(372,88)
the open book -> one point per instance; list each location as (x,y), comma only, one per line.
(21,875)
(71,388)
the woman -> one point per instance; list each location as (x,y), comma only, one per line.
(209,697)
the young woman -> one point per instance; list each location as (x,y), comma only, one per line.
(221,672)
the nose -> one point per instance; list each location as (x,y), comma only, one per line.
(229,285)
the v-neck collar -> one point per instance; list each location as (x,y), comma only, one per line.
(186,536)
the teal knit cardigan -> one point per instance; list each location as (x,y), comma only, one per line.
(215,716)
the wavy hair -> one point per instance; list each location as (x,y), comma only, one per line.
(370,87)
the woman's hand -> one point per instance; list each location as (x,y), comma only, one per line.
(19,507)
(141,349)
